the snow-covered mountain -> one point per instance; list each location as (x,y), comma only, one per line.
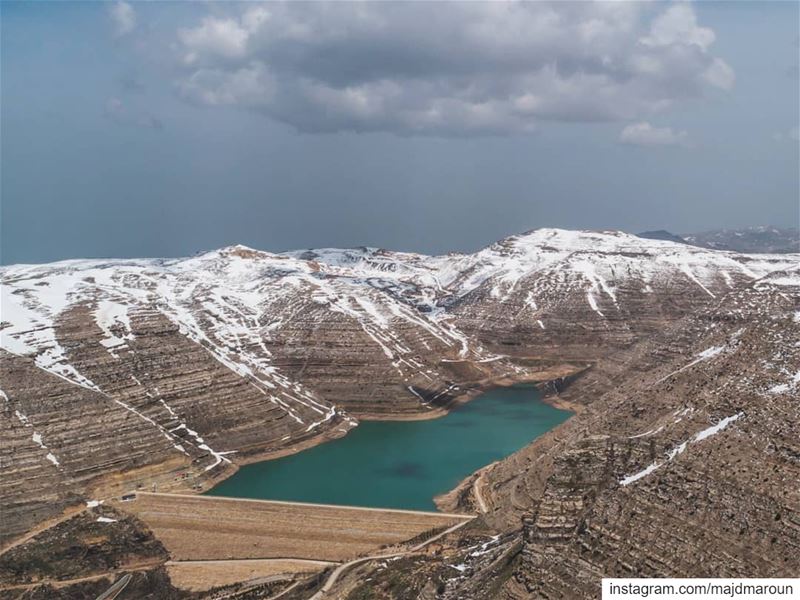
(141,369)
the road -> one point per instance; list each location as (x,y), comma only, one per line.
(229,561)
(476,492)
(343,567)
(308,504)
(44,526)
(59,583)
(116,588)
(259,581)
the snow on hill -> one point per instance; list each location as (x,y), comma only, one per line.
(227,300)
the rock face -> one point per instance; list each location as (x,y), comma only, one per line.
(168,373)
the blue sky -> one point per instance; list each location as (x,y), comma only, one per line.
(161,129)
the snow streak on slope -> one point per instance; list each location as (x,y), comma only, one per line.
(706,354)
(680,448)
(224,322)
(31,317)
(36,437)
(601,257)
(553,263)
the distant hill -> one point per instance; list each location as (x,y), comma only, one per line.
(661,234)
(751,239)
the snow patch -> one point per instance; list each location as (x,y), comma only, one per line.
(706,354)
(111,316)
(647,433)
(783,388)
(710,352)
(681,448)
(643,473)
(31,316)
(715,429)
(36,437)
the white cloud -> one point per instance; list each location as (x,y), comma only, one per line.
(678,25)
(123,17)
(459,68)
(644,134)
(225,38)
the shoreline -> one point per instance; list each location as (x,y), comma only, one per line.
(481,387)
(538,381)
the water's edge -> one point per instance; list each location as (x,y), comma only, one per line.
(406,463)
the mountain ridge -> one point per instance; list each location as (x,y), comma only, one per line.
(763,239)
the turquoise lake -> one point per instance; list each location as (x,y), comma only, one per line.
(402,464)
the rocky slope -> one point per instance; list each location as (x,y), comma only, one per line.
(127,373)
(686,466)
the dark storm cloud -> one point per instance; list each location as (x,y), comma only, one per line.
(449,68)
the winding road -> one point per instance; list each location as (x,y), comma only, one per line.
(476,492)
(344,566)
(116,588)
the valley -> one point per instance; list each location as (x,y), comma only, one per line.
(680,364)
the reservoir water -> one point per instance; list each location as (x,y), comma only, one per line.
(402,464)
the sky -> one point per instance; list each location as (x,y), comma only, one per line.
(140,129)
